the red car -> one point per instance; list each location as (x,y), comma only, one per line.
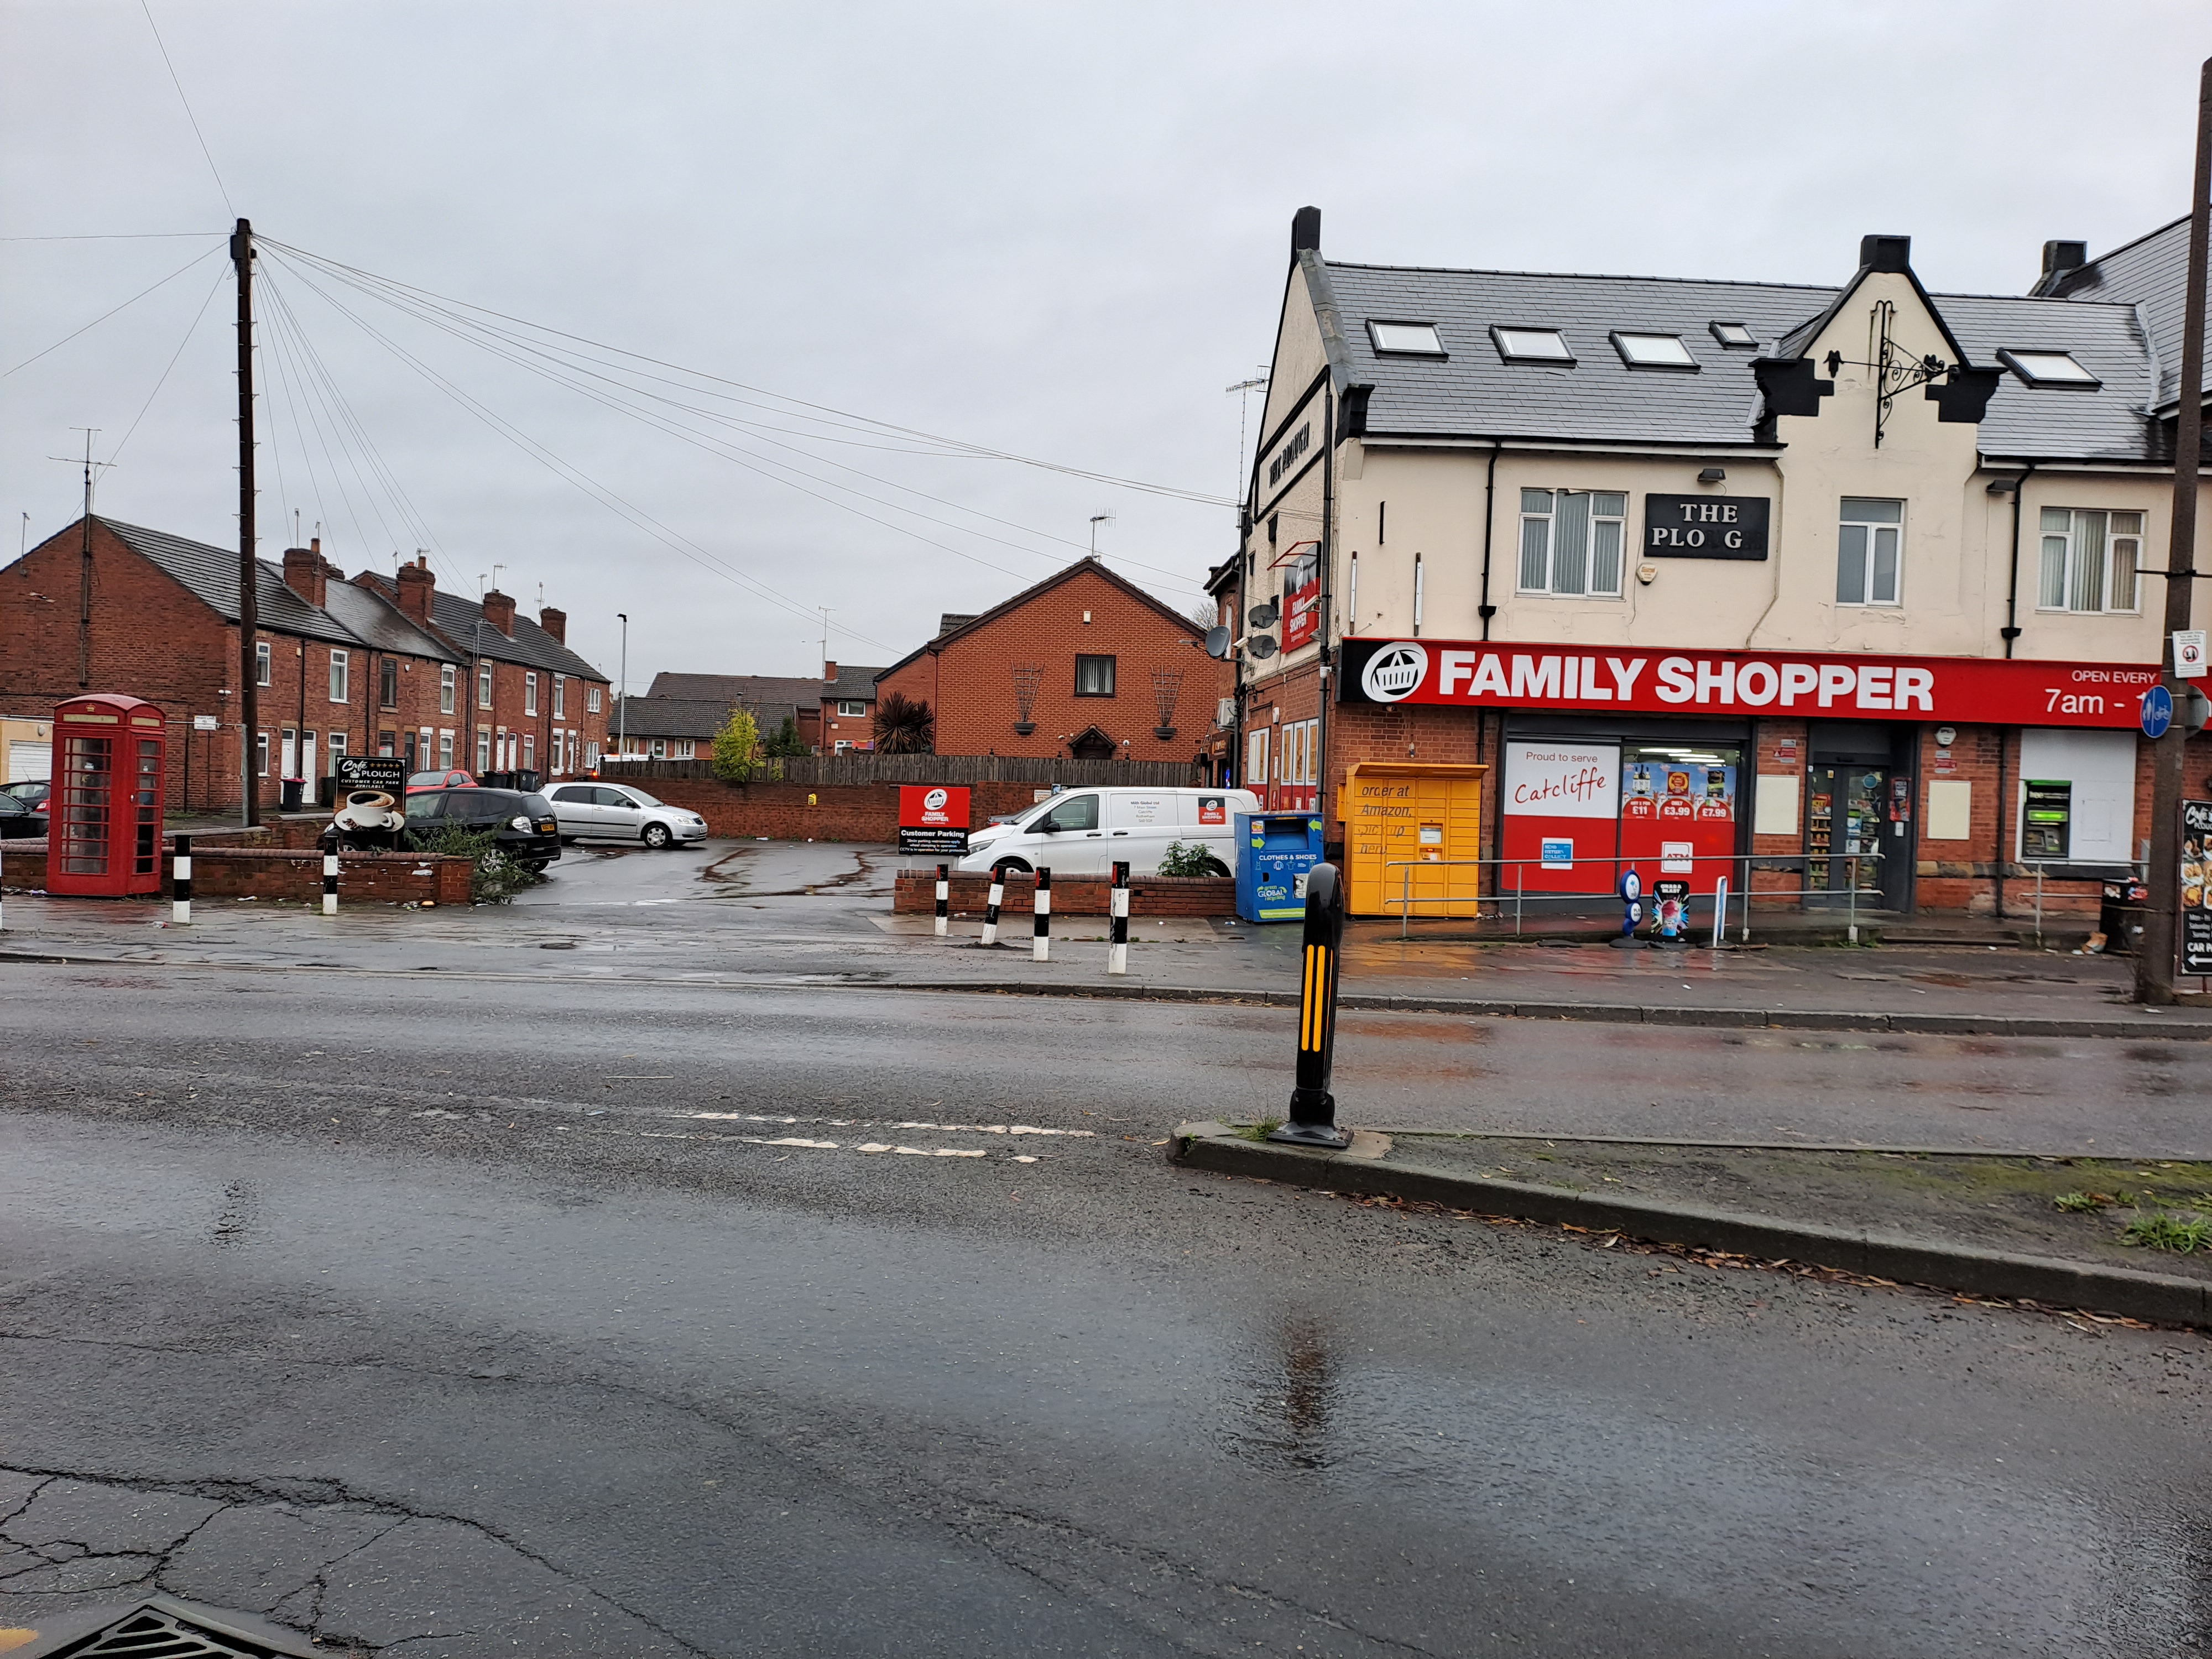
(456,778)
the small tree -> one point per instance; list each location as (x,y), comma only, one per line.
(787,743)
(736,745)
(904,726)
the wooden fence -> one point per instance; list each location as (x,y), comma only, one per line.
(825,770)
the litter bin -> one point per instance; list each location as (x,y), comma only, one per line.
(295,790)
(1274,850)
(2120,919)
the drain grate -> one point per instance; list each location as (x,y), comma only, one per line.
(162,1627)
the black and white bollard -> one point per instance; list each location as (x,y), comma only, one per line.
(944,898)
(1117,953)
(1312,1109)
(181,884)
(330,882)
(1041,914)
(991,908)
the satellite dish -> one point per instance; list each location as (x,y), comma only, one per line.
(1216,641)
(1261,646)
(1261,616)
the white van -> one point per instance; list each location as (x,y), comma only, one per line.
(1085,832)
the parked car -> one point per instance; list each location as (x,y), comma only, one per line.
(623,812)
(18,821)
(455,779)
(1083,832)
(36,796)
(528,832)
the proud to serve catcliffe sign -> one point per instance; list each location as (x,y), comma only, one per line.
(932,819)
(1862,685)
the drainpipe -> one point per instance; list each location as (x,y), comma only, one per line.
(1489,524)
(2004,799)
(1327,557)
(2012,581)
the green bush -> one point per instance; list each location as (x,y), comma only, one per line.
(736,745)
(1195,858)
(494,878)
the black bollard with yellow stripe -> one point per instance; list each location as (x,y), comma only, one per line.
(1312,1109)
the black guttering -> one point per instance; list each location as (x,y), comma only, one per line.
(1486,609)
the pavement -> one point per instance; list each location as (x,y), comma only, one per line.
(524,1313)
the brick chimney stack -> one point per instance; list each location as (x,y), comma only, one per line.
(499,612)
(555,622)
(304,575)
(828,673)
(416,587)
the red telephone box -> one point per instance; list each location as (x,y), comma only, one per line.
(110,781)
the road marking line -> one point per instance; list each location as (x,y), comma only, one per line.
(952,1128)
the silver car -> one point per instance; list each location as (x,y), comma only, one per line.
(620,812)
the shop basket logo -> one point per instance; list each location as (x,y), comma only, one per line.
(935,799)
(1396,673)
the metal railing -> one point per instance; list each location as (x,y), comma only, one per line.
(1717,896)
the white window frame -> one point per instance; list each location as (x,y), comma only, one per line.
(448,689)
(660,749)
(530,694)
(1256,758)
(1539,541)
(530,752)
(560,696)
(591,757)
(263,667)
(1873,529)
(341,675)
(334,746)
(592,700)
(445,750)
(849,708)
(484,685)
(261,754)
(2065,546)
(484,751)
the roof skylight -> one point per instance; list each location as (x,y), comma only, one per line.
(1532,345)
(1653,350)
(1414,339)
(2048,368)
(1732,334)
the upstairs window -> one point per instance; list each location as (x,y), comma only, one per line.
(2049,368)
(560,696)
(850,709)
(1532,345)
(1405,339)
(2089,559)
(1094,676)
(387,683)
(1653,350)
(530,694)
(1732,334)
(484,686)
(592,700)
(261,674)
(1572,540)
(340,662)
(447,677)
(1868,548)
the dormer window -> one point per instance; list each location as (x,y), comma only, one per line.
(1532,345)
(1405,339)
(1653,350)
(1732,334)
(2049,368)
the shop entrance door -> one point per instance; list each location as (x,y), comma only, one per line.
(1847,812)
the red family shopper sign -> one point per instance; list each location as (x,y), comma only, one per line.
(1860,685)
(932,819)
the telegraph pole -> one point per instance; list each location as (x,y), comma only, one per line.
(84,558)
(249,598)
(2155,966)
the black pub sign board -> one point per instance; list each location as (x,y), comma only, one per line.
(384,772)
(1705,526)
(2196,903)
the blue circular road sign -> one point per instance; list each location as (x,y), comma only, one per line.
(2157,711)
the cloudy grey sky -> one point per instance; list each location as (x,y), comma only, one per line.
(1052,231)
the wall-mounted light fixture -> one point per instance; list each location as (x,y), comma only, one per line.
(1712,475)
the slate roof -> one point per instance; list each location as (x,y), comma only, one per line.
(852,682)
(461,623)
(1089,562)
(2151,272)
(669,717)
(2104,319)
(348,615)
(754,690)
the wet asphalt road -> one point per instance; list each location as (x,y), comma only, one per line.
(434,1316)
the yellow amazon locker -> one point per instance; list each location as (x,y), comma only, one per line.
(1407,828)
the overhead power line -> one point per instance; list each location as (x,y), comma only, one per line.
(187,103)
(105,315)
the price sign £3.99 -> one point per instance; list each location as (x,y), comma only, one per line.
(2194,934)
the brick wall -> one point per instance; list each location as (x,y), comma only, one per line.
(794,811)
(915,895)
(969,685)
(273,873)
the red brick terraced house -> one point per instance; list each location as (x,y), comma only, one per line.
(524,702)
(1085,665)
(156,616)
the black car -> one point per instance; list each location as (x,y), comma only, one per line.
(18,821)
(528,832)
